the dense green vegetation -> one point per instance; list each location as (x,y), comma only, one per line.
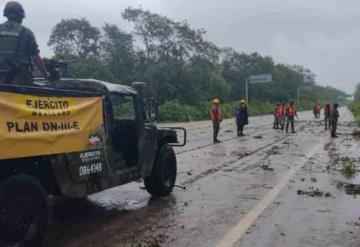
(355,105)
(184,70)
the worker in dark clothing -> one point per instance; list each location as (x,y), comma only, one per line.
(216,118)
(327,111)
(290,116)
(18,48)
(242,117)
(334,116)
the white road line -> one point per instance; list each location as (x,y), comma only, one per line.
(248,220)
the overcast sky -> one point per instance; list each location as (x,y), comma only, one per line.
(323,35)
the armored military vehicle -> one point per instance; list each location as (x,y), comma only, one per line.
(72,138)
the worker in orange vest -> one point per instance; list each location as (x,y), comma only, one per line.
(283,107)
(276,116)
(316,110)
(216,118)
(290,115)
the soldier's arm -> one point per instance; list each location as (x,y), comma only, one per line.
(32,49)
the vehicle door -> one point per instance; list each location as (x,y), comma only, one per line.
(149,145)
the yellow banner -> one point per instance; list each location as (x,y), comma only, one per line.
(36,125)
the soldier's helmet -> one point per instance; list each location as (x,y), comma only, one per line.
(14,9)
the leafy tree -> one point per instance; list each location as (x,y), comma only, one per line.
(357,93)
(89,69)
(169,48)
(184,70)
(117,53)
(75,38)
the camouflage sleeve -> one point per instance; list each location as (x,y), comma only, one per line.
(30,46)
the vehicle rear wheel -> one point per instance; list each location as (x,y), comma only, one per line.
(23,211)
(162,180)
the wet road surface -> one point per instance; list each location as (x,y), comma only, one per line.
(268,188)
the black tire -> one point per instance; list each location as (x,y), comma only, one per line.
(23,211)
(163,177)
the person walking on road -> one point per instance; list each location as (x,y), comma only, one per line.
(327,111)
(242,117)
(282,115)
(216,118)
(334,116)
(316,111)
(277,116)
(290,117)
(18,48)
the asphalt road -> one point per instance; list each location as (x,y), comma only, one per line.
(268,188)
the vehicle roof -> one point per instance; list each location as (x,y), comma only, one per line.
(91,85)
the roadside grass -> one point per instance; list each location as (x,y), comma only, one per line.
(355,109)
(347,166)
(177,111)
(273,151)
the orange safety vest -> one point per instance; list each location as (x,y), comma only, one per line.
(283,110)
(215,116)
(278,111)
(291,111)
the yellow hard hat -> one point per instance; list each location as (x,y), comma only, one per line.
(242,101)
(216,101)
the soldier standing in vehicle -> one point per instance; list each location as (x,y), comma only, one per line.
(241,117)
(216,118)
(290,116)
(327,111)
(18,48)
(334,116)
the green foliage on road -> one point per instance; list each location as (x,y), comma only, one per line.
(355,105)
(184,70)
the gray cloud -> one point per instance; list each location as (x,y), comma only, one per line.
(320,34)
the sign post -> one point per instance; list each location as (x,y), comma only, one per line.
(256,79)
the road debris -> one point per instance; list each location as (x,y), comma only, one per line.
(350,188)
(314,192)
(267,168)
(273,151)
(180,187)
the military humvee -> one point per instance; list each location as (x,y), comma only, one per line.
(74,138)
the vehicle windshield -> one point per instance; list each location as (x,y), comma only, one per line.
(123,106)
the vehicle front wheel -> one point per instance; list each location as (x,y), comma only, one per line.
(163,177)
(23,211)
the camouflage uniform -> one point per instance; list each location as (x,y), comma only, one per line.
(17,47)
